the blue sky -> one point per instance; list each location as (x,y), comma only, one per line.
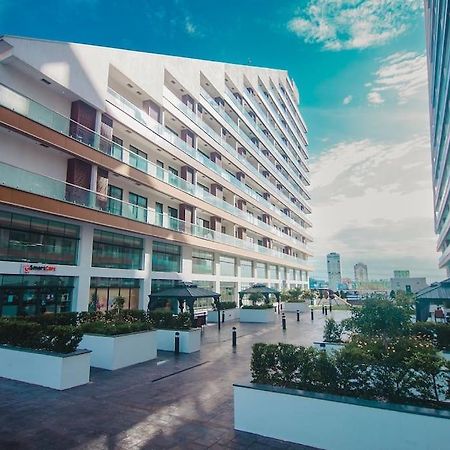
(360,68)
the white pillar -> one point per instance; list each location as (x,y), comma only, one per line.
(146,285)
(81,296)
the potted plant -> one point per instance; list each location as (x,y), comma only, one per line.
(43,353)
(261,310)
(229,312)
(167,325)
(295,299)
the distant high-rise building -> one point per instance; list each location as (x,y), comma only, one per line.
(438,40)
(360,272)
(401,274)
(334,270)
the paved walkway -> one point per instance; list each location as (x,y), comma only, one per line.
(183,402)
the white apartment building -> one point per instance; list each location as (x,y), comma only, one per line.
(122,172)
(334,270)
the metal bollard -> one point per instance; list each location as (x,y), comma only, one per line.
(234,337)
(330,308)
(326,311)
(298,315)
(323,309)
(312,314)
(283,322)
(223,316)
(275,308)
(177,343)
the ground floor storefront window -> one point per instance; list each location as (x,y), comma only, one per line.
(29,295)
(105,291)
(204,303)
(163,303)
(228,292)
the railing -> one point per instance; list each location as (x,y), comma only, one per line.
(215,136)
(264,159)
(27,181)
(68,127)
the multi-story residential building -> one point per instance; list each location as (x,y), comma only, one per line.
(122,172)
(401,274)
(361,274)
(408,284)
(334,270)
(438,51)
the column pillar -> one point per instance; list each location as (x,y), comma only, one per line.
(216,190)
(267,219)
(215,223)
(188,174)
(241,233)
(267,242)
(216,158)
(240,176)
(82,295)
(186,213)
(146,285)
(242,204)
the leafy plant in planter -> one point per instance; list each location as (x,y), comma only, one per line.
(167,321)
(93,304)
(115,328)
(118,303)
(256,298)
(332,331)
(224,305)
(264,306)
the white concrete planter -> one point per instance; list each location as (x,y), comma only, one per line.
(54,370)
(230,315)
(445,355)
(257,315)
(337,423)
(115,352)
(328,346)
(189,340)
(294,307)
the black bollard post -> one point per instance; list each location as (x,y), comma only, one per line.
(283,322)
(275,308)
(279,307)
(223,316)
(298,315)
(326,311)
(312,314)
(234,337)
(323,309)
(330,308)
(177,343)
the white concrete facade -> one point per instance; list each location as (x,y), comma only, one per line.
(210,157)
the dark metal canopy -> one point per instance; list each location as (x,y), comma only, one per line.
(186,292)
(436,293)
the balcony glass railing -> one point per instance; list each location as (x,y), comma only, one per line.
(215,136)
(43,115)
(23,180)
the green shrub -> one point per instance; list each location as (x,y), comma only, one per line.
(226,305)
(115,328)
(32,335)
(67,318)
(166,320)
(332,331)
(265,306)
(438,333)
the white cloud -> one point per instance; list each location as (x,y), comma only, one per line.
(404,74)
(375,98)
(373,202)
(190,27)
(347,100)
(353,24)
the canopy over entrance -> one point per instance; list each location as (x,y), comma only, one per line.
(185,292)
(437,293)
(259,289)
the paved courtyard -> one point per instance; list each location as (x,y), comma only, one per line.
(183,402)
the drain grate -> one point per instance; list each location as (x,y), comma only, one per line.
(180,371)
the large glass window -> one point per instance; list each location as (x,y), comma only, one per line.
(202,262)
(163,303)
(283,273)
(138,159)
(166,257)
(105,291)
(116,250)
(228,292)
(298,275)
(204,303)
(174,223)
(246,269)
(115,200)
(30,239)
(159,214)
(227,266)
(261,270)
(29,295)
(139,210)
(273,272)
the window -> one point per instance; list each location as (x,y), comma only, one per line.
(168,304)
(173,171)
(160,169)
(246,269)
(166,257)
(204,303)
(203,223)
(104,291)
(116,250)
(139,210)
(261,270)
(30,239)
(138,159)
(116,150)
(115,200)
(202,186)
(202,262)
(273,272)
(174,223)
(227,266)
(159,214)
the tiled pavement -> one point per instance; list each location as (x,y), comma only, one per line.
(135,408)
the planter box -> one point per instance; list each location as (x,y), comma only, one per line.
(189,340)
(328,346)
(294,306)
(230,314)
(257,315)
(337,423)
(115,352)
(54,370)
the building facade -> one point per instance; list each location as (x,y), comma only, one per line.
(438,54)
(408,284)
(123,172)
(334,270)
(401,274)
(361,274)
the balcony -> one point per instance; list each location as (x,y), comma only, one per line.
(53,120)
(23,180)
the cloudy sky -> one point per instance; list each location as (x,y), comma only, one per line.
(361,69)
